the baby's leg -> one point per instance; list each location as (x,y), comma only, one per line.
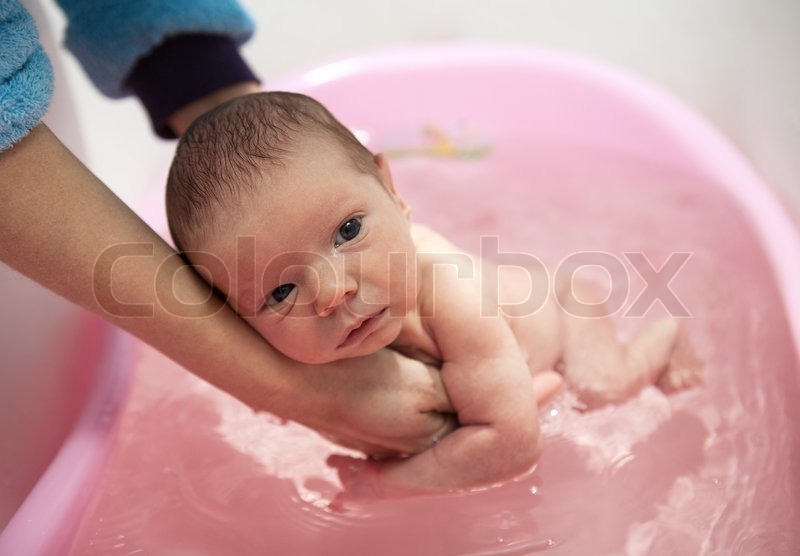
(595,363)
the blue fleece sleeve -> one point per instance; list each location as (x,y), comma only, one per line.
(109,36)
(26,78)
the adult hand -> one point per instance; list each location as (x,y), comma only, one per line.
(384,405)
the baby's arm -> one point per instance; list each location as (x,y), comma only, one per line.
(490,387)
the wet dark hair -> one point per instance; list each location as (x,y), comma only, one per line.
(224,152)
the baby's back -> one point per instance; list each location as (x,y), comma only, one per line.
(503,291)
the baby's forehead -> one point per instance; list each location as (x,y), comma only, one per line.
(306,195)
(276,219)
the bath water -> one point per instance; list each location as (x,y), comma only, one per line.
(711,470)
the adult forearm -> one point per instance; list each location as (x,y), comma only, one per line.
(62,227)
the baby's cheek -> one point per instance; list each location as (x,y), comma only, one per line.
(278,335)
(401,293)
(403,272)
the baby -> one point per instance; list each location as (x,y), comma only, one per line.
(301,228)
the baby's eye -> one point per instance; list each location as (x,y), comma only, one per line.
(348,231)
(279,294)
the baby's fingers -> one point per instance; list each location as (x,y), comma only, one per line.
(546,385)
(359,477)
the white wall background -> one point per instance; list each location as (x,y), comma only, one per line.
(734,60)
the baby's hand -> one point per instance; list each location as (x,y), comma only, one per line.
(360,478)
(546,385)
(364,480)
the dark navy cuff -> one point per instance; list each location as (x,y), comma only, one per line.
(182,69)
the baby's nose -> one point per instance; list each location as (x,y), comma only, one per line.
(336,286)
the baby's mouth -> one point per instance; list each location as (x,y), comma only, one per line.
(362,328)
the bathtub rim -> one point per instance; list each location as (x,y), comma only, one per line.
(47,520)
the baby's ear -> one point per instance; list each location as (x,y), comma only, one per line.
(386,178)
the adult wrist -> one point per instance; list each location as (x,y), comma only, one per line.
(180,120)
(183,69)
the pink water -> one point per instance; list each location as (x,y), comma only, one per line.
(713,470)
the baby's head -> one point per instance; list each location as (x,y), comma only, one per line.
(287,215)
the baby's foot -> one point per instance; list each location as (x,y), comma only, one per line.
(684,369)
(650,350)
(678,378)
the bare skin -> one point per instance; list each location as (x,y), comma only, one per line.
(571,331)
(57,221)
(482,357)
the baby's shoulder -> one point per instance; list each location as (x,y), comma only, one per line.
(433,249)
(448,275)
(428,241)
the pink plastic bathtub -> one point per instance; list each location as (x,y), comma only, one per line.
(552,154)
